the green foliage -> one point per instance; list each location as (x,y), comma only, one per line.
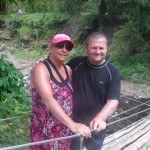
(14,100)
(132,37)
(135,69)
(24,31)
(83,26)
(1,16)
(9,1)
(36,25)
(71,6)
(12,23)
(127,41)
(32,6)
(79,50)
(89,7)
(14,132)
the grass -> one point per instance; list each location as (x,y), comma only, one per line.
(14,132)
(2,16)
(135,70)
(30,54)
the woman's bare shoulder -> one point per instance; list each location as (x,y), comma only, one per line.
(39,73)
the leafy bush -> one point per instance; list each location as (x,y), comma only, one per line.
(12,23)
(14,132)
(23,30)
(38,24)
(14,100)
(127,40)
(136,69)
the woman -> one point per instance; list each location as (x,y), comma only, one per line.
(52,98)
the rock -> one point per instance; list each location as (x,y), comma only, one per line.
(135,75)
(138,91)
(45,46)
(25,40)
(5,34)
(2,47)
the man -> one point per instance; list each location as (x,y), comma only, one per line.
(96,84)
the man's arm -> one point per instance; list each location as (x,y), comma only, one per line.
(99,122)
(73,63)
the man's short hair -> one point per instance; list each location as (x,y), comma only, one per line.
(95,35)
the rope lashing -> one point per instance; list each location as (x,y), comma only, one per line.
(23,116)
(40,142)
(128,116)
(130,110)
(136,100)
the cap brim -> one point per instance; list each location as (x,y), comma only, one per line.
(58,41)
(70,42)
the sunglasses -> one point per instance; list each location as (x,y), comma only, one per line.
(62,45)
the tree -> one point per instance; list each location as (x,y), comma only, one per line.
(132,34)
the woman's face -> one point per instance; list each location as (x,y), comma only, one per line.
(60,51)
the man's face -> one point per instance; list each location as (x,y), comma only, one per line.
(96,50)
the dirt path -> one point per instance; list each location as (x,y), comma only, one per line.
(138,91)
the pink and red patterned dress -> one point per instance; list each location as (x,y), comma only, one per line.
(44,125)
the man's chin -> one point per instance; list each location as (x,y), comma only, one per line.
(99,61)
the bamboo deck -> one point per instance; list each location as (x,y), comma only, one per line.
(133,137)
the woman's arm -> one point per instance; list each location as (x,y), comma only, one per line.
(40,81)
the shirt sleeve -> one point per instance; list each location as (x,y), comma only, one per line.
(73,63)
(114,86)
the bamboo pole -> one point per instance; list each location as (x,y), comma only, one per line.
(140,142)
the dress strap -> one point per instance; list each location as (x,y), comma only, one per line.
(45,62)
(54,67)
(48,62)
(66,71)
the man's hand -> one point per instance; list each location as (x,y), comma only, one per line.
(97,124)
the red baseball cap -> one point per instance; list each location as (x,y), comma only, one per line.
(60,38)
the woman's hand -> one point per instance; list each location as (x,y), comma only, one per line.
(81,129)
